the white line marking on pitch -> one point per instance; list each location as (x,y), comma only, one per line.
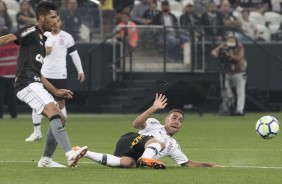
(250,167)
(225,166)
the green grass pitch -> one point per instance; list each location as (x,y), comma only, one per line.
(229,141)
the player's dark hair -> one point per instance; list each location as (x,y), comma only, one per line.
(176,110)
(44,7)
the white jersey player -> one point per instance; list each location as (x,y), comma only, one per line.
(172,149)
(58,44)
(151,143)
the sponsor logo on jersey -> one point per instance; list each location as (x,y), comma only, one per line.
(136,140)
(28,31)
(61,41)
(170,146)
(39,58)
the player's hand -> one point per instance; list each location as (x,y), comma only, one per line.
(211,164)
(64,93)
(160,101)
(214,53)
(81,77)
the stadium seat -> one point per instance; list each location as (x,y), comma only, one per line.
(237,14)
(185,2)
(84,32)
(175,6)
(12,5)
(177,15)
(13,14)
(258,18)
(264,33)
(274,20)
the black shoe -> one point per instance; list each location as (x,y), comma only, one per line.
(238,114)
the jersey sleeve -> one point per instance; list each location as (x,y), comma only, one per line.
(178,156)
(24,35)
(70,44)
(151,123)
(48,42)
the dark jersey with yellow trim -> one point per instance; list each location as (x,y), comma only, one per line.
(32,51)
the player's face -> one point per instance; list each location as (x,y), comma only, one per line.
(173,122)
(50,20)
(57,25)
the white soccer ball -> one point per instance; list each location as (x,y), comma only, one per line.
(267,127)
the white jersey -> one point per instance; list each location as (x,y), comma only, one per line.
(172,148)
(55,64)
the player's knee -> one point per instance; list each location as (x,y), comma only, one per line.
(127,162)
(162,145)
(153,140)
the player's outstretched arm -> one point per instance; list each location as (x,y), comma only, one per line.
(7,39)
(64,93)
(192,163)
(159,103)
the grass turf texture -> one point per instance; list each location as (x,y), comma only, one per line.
(229,141)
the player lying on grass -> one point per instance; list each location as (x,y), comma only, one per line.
(151,143)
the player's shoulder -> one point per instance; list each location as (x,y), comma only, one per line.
(66,34)
(25,31)
(152,121)
(47,33)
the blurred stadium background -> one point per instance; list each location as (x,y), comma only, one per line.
(120,79)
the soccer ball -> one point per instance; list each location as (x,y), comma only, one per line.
(267,127)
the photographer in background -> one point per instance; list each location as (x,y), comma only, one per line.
(231,55)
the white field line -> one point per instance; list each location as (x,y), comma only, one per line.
(172,165)
(227,149)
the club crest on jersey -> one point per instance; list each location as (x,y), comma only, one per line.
(28,31)
(39,58)
(61,41)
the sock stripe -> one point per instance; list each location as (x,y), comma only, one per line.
(153,148)
(104,159)
(57,116)
(36,124)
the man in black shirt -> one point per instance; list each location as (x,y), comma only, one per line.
(29,84)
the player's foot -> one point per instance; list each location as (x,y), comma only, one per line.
(34,136)
(48,162)
(74,155)
(150,163)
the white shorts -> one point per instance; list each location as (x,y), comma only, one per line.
(36,96)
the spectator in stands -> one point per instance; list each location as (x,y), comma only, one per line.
(5,19)
(213,20)
(231,55)
(25,16)
(149,14)
(200,6)
(108,14)
(249,27)
(127,31)
(122,6)
(256,5)
(8,63)
(139,10)
(174,38)
(71,19)
(190,18)
(229,20)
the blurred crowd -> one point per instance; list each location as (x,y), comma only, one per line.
(250,19)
